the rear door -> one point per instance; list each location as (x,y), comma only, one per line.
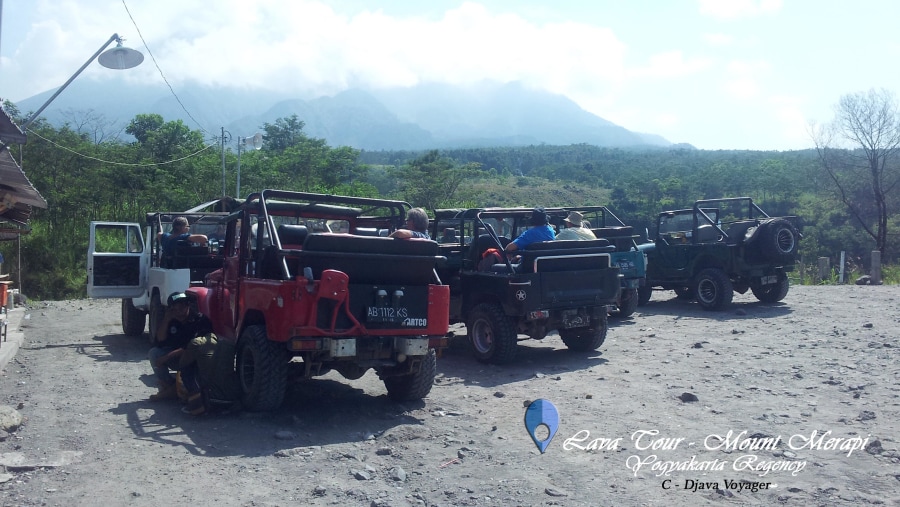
(117,260)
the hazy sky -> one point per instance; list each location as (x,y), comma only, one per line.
(719,74)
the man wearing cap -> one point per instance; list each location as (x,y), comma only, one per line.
(539,230)
(575,229)
(178,327)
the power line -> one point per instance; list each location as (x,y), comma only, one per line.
(161,72)
(123,163)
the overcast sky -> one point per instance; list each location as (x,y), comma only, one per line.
(718,74)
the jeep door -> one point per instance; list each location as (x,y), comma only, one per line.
(117,261)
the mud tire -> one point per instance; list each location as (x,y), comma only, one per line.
(491,334)
(133,320)
(628,303)
(413,386)
(772,293)
(262,370)
(778,241)
(585,339)
(713,289)
(645,292)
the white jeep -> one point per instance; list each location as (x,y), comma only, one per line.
(125,263)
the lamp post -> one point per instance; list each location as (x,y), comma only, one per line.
(119,58)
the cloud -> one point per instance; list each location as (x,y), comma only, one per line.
(736,9)
(718,39)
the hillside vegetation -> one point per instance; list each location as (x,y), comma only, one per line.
(86,173)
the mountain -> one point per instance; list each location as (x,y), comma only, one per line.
(421,117)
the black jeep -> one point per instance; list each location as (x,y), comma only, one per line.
(720,246)
(553,285)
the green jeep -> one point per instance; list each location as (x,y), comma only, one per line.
(718,247)
(564,286)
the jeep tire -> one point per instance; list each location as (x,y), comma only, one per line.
(491,334)
(155,316)
(682,292)
(413,386)
(772,293)
(778,240)
(585,339)
(262,369)
(133,320)
(627,304)
(645,292)
(713,289)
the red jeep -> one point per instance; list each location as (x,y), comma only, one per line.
(300,299)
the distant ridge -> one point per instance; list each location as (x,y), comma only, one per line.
(426,116)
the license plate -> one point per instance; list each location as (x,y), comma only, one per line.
(387,314)
(768,280)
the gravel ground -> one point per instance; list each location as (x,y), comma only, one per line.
(786,404)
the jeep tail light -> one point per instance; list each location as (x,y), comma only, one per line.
(302,344)
(539,314)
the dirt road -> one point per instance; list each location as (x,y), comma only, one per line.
(796,404)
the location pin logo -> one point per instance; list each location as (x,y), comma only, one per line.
(541,413)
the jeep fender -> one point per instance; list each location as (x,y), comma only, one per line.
(201,296)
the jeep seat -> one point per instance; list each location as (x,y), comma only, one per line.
(566,255)
(292,236)
(372,260)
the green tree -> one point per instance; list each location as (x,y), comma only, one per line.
(432,181)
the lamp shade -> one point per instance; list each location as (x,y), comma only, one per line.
(120,58)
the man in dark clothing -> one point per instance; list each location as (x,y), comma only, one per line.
(207,371)
(178,327)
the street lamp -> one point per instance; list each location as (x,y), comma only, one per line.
(119,58)
(254,143)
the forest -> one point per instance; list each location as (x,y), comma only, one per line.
(89,170)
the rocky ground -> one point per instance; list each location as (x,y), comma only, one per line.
(788,404)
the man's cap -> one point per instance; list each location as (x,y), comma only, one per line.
(538,217)
(574,218)
(176,297)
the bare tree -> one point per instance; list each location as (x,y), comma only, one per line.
(860,153)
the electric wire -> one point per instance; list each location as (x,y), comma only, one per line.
(82,155)
(156,64)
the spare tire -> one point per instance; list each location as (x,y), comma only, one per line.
(778,240)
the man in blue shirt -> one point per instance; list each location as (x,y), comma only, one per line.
(539,230)
(180,231)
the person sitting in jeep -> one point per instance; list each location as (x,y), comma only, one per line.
(539,230)
(574,228)
(180,226)
(417,225)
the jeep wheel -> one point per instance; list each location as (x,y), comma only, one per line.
(491,334)
(628,303)
(413,386)
(585,339)
(133,320)
(262,369)
(684,293)
(778,240)
(155,316)
(644,294)
(713,289)
(772,293)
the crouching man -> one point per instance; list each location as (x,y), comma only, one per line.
(179,326)
(207,371)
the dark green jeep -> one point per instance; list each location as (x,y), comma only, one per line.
(564,286)
(718,247)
